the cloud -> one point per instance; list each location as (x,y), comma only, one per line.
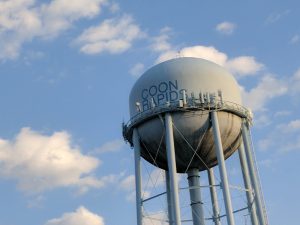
(284,138)
(243,65)
(276,16)
(137,70)
(81,216)
(282,113)
(239,66)
(40,162)
(156,218)
(59,15)
(22,21)
(294,82)
(155,180)
(268,88)
(295,39)
(114,7)
(114,36)
(161,43)
(292,126)
(19,22)
(111,146)
(226,28)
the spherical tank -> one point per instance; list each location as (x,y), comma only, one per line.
(168,87)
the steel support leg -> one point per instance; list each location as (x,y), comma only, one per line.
(172,168)
(248,186)
(138,178)
(222,168)
(195,196)
(169,199)
(213,196)
(253,175)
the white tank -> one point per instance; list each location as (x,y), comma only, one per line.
(188,88)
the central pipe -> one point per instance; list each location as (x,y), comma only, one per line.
(195,196)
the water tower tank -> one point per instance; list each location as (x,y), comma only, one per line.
(188,88)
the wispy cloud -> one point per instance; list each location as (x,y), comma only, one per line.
(267,88)
(226,28)
(276,16)
(81,216)
(137,70)
(114,36)
(111,146)
(295,39)
(154,180)
(294,82)
(46,162)
(284,138)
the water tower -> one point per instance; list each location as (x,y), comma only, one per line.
(187,117)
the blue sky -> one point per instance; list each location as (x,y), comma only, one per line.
(66,70)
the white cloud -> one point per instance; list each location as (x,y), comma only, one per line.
(268,88)
(239,66)
(81,216)
(59,15)
(209,53)
(41,162)
(137,70)
(23,20)
(112,35)
(19,22)
(226,27)
(295,39)
(111,146)
(161,43)
(243,65)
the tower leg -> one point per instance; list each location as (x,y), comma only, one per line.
(195,195)
(248,186)
(169,199)
(213,196)
(222,168)
(138,179)
(253,175)
(172,168)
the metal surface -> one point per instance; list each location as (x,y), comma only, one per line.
(195,196)
(222,169)
(169,199)
(192,132)
(172,169)
(248,186)
(138,178)
(213,196)
(189,88)
(253,175)
(166,81)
